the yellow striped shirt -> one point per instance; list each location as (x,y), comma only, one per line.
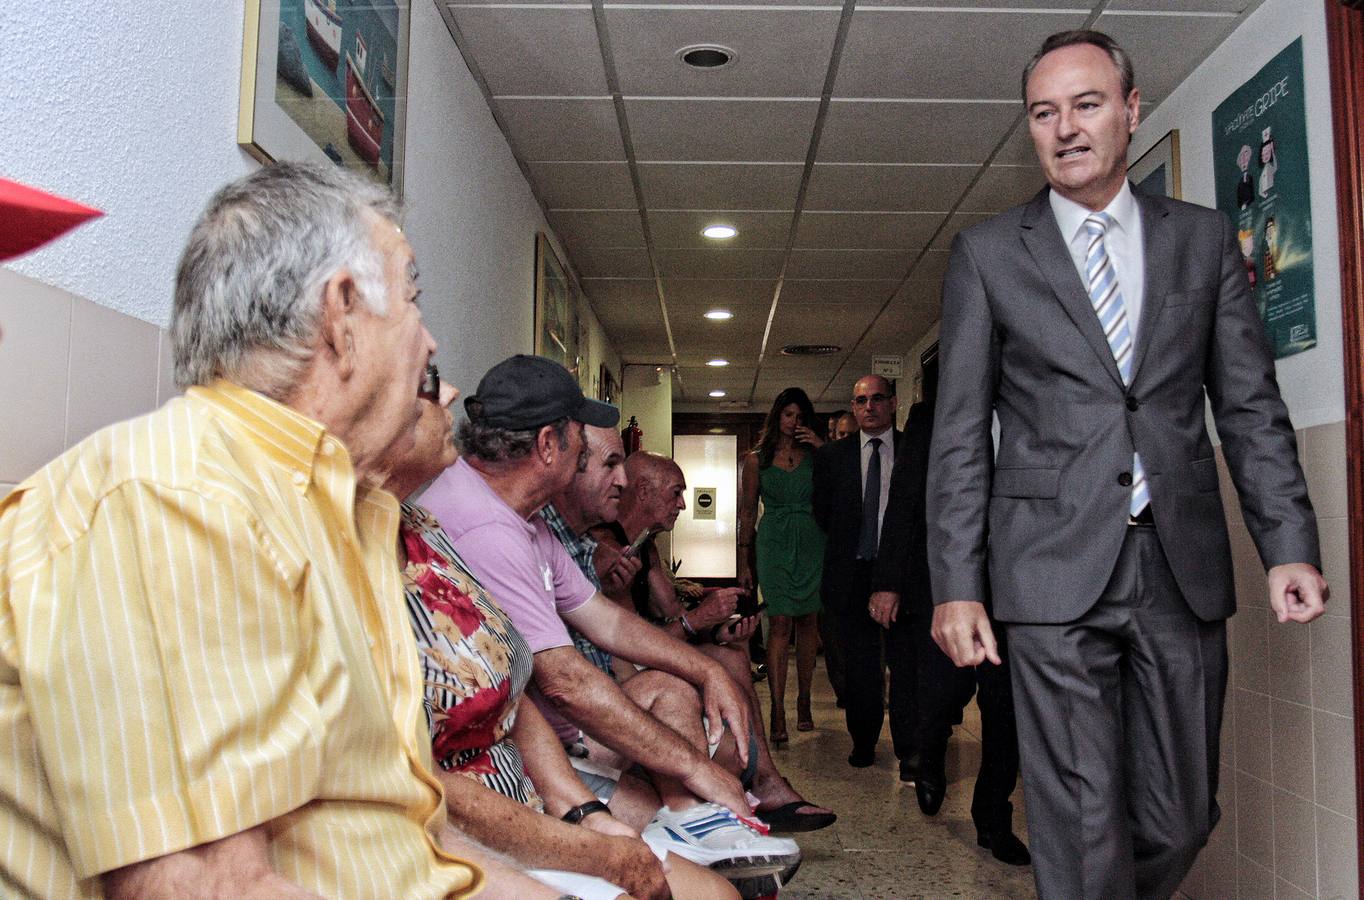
(202,629)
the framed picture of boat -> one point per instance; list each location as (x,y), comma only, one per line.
(326,79)
(556,308)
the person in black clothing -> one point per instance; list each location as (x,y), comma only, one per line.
(902,596)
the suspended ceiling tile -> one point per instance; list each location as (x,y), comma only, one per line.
(868,231)
(720,186)
(574,129)
(848,263)
(1165,49)
(912,53)
(736,295)
(838,187)
(732,130)
(781,52)
(932,266)
(1078,6)
(687,263)
(643,347)
(1018,150)
(795,328)
(918,132)
(682,228)
(956,224)
(610,262)
(598,228)
(1004,187)
(583,185)
(836,293)
(1223,6)
(540,50)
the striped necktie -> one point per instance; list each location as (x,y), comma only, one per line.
(1106,296)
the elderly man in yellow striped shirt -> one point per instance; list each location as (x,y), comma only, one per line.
(208,685)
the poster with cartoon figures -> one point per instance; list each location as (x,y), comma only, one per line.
(1259,142)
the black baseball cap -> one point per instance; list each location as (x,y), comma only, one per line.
(526,392)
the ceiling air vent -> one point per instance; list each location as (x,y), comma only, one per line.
(810,349)
(734,404)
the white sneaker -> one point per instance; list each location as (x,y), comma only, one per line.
(737,848)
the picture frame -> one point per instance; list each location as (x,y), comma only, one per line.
(1157,170)
(608,390)
(556,308)
(326,80)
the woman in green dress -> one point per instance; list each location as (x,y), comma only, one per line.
(790,547)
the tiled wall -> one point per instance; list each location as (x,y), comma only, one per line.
(1287,780)
(68,367)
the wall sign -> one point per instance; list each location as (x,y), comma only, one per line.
(703,503)
(1259,143)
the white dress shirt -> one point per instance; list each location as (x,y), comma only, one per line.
(1123,241)
(887,451)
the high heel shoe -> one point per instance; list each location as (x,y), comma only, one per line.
(804,720)
(776,735)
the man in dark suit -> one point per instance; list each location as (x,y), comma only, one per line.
(1108,555)
(902,597)
(851,486)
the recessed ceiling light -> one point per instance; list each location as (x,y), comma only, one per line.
(719,232)
(717,363)
(719,315)
(706,56)
(717,394)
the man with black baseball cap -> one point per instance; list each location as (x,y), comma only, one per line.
(526,392)
(522,444)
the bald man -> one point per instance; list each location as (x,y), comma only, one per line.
(851,490)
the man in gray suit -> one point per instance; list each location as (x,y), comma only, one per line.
(1093,322)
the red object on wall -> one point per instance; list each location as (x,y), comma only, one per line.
(632,436)
(30,218)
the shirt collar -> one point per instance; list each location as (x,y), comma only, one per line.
(864,437)
(1070,216)
(283,434)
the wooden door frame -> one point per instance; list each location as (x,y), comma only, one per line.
(1345,40)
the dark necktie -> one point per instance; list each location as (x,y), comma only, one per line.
(871,503)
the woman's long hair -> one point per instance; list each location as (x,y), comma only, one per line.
(767,439)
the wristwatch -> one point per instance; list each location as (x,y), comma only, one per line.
(575,815)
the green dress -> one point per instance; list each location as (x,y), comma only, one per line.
(790,543)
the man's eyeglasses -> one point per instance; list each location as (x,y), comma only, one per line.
(430,389)
(863,399)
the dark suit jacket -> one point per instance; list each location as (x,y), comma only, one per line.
(902,559)
(837,502)
(1020,338)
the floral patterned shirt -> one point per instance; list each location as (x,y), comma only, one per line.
(475,664)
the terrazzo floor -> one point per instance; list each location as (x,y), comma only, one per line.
(882,846)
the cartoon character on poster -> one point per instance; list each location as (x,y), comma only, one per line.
(1245,188)
(1269,163)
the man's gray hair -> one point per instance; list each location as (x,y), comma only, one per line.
(495,445)
(248,292)
(1121,61)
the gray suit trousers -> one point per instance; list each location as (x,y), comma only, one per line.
(1119,718)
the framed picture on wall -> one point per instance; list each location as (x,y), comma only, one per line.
(556,308)
(326,79)
(608,392)
(1157,170)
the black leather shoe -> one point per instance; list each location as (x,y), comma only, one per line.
(860,759)
(1004,846)
(909,770)
(930,791)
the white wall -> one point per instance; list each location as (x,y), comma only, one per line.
(135,111)
(1313,381)
(130,107)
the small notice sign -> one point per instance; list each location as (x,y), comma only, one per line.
(888,366)
(703,503)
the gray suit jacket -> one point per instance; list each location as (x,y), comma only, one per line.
(1048,516)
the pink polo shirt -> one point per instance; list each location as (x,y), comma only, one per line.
(520,563)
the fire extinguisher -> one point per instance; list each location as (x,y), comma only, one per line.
(632,436)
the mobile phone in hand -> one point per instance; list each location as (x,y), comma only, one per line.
(638,542)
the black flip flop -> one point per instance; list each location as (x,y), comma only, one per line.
(787,818)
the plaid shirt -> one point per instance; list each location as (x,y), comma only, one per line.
(580,547)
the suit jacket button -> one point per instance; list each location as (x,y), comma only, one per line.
(1125,479)
(1132,404)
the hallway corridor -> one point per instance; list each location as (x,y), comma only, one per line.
(882,847)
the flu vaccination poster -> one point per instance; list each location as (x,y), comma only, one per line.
(1259,143)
